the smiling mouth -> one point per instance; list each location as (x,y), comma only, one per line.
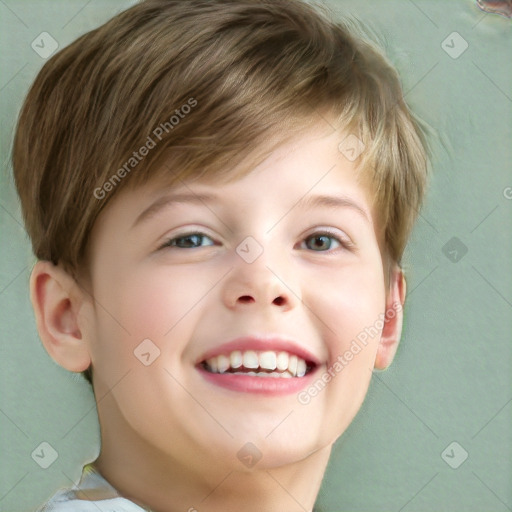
(268,363)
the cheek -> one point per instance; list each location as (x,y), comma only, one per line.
(155,303)
(152,299)
(351,306)
(162,300)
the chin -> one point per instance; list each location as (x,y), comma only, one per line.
(253,451)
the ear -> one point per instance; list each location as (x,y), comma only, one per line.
(57,299)
(393,320)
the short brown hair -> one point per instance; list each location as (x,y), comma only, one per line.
(247,71)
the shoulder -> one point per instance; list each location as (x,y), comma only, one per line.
(67,501)
(92,494)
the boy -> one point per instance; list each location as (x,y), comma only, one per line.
(219,203)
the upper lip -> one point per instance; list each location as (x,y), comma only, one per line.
(261,344)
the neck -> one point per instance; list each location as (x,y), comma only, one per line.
(156,481)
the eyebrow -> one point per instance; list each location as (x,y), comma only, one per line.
(306,203)
(168,200)
(332,202)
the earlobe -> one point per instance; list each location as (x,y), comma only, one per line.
(393,321)
(56,299)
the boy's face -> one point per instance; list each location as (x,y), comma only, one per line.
(264,259)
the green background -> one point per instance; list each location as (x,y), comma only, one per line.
(451,380)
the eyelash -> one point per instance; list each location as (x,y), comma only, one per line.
(344,244)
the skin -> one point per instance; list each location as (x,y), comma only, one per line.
(170,438)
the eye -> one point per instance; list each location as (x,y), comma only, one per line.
(324,241)
(188,241)
(321,241)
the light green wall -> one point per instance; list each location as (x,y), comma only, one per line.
(451,380)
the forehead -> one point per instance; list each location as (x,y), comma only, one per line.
(319,148)
(308,164)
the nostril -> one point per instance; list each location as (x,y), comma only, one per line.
(246,298)
(278,301)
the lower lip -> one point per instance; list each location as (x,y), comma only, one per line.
(274,386)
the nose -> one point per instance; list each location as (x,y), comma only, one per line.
(261,283)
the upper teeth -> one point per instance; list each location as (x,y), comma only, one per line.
(288,364)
